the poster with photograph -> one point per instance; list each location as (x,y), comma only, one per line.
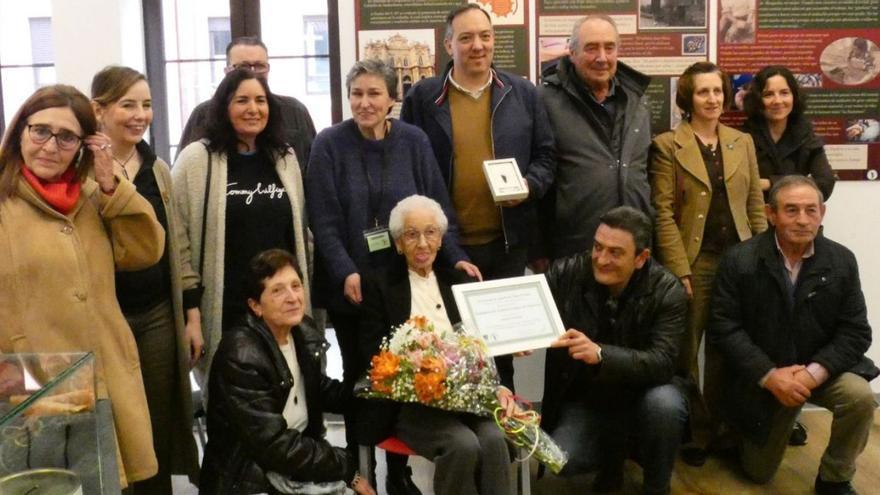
(657,37)
(832,48)
(410,35)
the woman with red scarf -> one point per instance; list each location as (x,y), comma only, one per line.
(62,236)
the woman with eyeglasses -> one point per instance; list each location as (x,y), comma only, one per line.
(160,302)
(469,452)
(240,193)
(359,169)
(62,236)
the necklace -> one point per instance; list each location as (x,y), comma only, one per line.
(125,162)
(709,142)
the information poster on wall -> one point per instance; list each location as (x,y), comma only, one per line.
(657,37)
(832,48)
(410,35)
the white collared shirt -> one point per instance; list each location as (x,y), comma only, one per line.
(476,93)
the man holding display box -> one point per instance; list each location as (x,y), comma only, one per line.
(473,113)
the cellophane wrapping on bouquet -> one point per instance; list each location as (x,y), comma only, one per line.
(454,372)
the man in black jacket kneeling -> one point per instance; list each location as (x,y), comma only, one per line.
(789,318)
(609,378)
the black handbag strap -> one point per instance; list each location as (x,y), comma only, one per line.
(205,214)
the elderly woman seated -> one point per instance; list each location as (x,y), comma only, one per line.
(470,453)
(267,395)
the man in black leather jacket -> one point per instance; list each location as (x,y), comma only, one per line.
(609,378)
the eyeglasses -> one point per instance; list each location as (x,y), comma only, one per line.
(40,134)
(412,236)
(256,67)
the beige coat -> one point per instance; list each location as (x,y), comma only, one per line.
(190,173)
(57,294)
(682,192)
(184,456)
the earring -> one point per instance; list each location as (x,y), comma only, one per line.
(78,157)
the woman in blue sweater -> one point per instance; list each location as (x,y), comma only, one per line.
(358,170)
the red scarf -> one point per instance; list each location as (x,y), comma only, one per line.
(61,194)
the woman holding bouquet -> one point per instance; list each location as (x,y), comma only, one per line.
(470,452)
(358,170)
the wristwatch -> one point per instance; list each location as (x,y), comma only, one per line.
(598,354)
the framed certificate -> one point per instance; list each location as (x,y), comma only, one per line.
(505,181)
(511,315)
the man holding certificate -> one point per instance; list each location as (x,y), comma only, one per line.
(471,114)
(610,376)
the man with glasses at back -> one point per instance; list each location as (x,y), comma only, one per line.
(248,52)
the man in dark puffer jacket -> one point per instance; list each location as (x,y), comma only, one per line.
(789,318)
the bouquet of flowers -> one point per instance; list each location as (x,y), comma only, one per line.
(452,371)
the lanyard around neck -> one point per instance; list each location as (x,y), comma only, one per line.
(376,200)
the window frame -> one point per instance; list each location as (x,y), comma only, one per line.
(33,66)
(244,20)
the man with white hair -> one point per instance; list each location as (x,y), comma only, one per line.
(601,121)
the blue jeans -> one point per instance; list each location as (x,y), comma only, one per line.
(597,439)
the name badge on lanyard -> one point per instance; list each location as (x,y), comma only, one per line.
(377,238)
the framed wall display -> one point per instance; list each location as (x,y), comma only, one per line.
(511,315)
(505,181)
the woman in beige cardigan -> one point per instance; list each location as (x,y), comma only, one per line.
(706,190)
(62,235)
(160,302)
(240,192)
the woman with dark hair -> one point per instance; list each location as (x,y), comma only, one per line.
(358,171)
(160,302)
(240,193)
(706,191)
(62,236)
(784,139)
(268,394)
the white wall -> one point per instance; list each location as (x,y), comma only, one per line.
(91,34)
(853,219)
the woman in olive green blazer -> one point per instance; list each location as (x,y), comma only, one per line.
(706,191)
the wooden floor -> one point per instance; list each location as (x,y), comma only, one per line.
(722,476)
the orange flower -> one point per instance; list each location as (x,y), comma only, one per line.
(419,322)
(385,367)
(429,386)
(433,364)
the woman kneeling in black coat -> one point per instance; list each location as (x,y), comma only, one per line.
(267,395)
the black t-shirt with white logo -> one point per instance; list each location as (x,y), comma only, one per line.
(258,217)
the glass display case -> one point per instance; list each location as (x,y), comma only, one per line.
(53,432)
